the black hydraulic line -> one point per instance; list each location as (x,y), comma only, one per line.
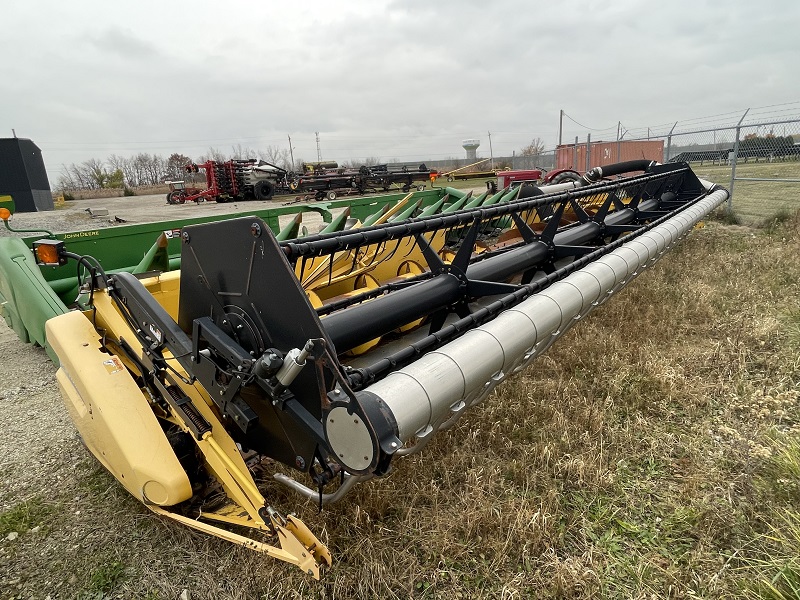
(359,378)
(629,166)
(324,244)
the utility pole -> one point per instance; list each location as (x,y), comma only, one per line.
(319,154)
(291,150)
(619,146)
(560,125)
(491,153)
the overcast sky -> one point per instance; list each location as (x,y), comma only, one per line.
(395,79)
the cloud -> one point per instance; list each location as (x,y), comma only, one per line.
(407,79)
(122,42)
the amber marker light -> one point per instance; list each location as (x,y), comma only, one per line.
(5,214)
(50,253)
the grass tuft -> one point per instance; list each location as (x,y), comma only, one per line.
(25,516)
(106,578)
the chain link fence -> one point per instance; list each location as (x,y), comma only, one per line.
(759,162)
(755,154)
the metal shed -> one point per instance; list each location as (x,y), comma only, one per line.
(23,176)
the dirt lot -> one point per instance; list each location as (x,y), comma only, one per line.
(75,216)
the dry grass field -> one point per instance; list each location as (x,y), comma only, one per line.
(756,202)
(653,452)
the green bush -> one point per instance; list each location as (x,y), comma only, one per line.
(128,192)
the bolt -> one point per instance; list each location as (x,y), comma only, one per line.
(185,236)
(301,464)
(394,444)
(255,229)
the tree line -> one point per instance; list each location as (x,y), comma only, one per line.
(144,169)
(775,143)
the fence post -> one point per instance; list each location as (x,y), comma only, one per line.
(669,142)
(588,150)
(735,160)
(575,154)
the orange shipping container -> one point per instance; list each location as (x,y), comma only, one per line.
(570,156)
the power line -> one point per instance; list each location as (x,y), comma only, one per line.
(589,128)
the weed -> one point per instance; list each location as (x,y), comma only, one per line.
(776,222)
(778,569)
(128,192)
(24,516)
(106,577)
(726,216)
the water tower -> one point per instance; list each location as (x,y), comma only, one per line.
(471,146)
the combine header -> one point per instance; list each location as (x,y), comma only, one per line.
(326,358)
(328,180)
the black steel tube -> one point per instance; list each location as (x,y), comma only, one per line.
(508,264)
(350,328)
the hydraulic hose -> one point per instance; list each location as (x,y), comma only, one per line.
(596,174)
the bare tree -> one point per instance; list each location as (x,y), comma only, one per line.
(66,180)
(96,173)
(242,152)
(213,154)
(534,149)
(276,156)
(355,163)
(175,167)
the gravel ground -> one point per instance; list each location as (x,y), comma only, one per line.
(38,438)
(74,216)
